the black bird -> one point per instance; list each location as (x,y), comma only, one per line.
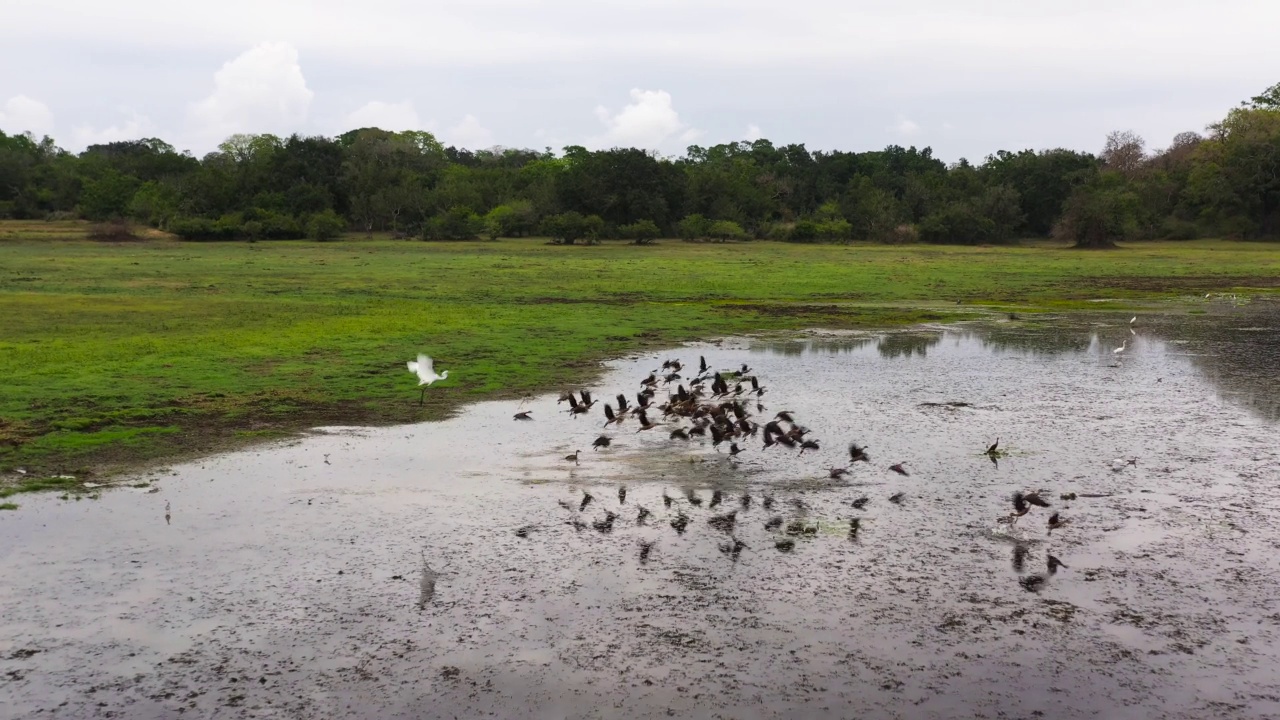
(1022,503)
(785,415)
(1032,583)
(746,501)
(837,473)
(565,396)
(565,504)
(725,522)
(896,498)
(586,399)
(644,422)
(1019,557)
(734,548)
(785,545)
(606,525)
(1055,522)
(857,453)
(768,502)
(734,449)
(702,365)
(1054,563)
(855,524)
(622,494)
(992,450)
(679,434)
(622,402)
(716,498)
(645,549)
(573,457)
(586,500)
(860,503)
(644,515)
(755,386)
(602,441)
(773,523)
(524,531)
(610,418)
(693,498)
(899,469)
(666,499)
(680,522)
(744,370)
(809,445)
(522,415)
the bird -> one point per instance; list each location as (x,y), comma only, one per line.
(679,434)
(746,501)
(768,502)
(645,549)
(693,498)
(702,362)
(1133,319)
(837,473)
(573,457)
(610,418)
(857,452)
(809,445)
(326,459)
(622,494)
(166,512)
(523,415)
(1055,522)
(734,449)
(855,524)
(586,500)
(643,515)
(606,525)
(716,498)
(1053,564)
(1032,583)
(896,498)
(1020,557)
(602,441)
(785,545)
(725,522)
(524,531)
(680,522)
(1120,349)
(666,499)
(992,449)
(1022,503)
(773,523)
(899,469)
(734,549)
(424,368)
(860,503)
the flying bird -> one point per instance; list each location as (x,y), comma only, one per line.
(425,369)
(602,441)
(524,415)
(899,469)
(856,453)
(1022,503)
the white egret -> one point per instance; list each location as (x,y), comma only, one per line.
(425,369)
(1120,349)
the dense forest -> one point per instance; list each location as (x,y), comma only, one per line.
(1223,183)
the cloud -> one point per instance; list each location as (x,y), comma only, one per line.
(469,133)
(134,128)
(23,114)
(260,91)
(753,133)
(906,127)
(649,122)
(395,117)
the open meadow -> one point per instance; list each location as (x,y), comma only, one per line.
(116,354)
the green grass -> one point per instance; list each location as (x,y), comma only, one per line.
(8,506)
(116,354)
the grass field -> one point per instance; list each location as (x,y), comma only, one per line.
(123,353)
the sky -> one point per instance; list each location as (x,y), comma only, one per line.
(965,77)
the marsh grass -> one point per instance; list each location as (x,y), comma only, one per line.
(119,354)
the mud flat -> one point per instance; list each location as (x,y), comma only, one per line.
(378,573)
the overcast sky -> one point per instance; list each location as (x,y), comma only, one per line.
(966,77)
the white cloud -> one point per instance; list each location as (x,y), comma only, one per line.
(395,117)
(753,133)
(135,127)
(23,114)
(649,122)
(470,134)
(906,127)
(260,91)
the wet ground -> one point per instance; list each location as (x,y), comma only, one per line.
(379,573)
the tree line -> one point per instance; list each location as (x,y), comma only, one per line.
(1223,183)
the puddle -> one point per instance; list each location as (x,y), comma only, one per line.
(390,581)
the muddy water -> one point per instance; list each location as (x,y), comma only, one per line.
(378,573)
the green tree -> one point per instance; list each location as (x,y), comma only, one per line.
(724,230)
(107,196)
(642,232)
(1098,214)
(327,225)
(456,223)
(958,223)
(693,227)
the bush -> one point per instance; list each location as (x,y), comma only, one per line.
(570,227)
(252,230)
(902,235)
(804,231)
(327,225)
(693,227)
(112,231)
(1097,216)
(227,227)
(457,223)
(837,229)
(61,216)
(723,230)
(642,232)
(958,223)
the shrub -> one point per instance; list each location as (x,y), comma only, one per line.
(723,230)
(836,229)
(1097,216)
(693,227)
(326,225)
(456,223)
(804,231)
(959,223)
(642,232)
(60,216)
(902,235)
(112,231)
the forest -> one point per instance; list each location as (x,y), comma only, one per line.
(1224,182)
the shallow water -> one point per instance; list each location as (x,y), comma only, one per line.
(389,581)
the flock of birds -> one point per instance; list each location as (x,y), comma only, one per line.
(723,407)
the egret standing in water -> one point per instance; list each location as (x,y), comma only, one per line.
(1120,349)
(425,369)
